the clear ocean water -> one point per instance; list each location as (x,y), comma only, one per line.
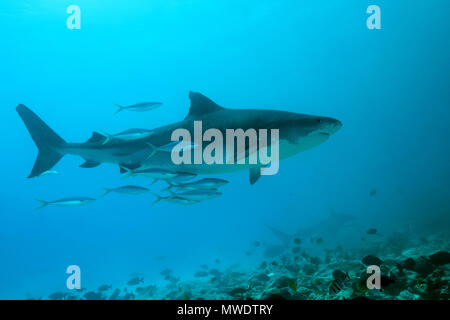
(387,167)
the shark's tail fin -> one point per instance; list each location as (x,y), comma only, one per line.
(120,108)
(45,139)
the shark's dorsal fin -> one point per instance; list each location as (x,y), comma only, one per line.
(96,137)
(201,105)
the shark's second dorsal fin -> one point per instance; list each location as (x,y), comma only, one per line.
(96,137)
(201,105)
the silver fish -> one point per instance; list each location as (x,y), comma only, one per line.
(150,173)
(174,199)
(128,135)
(205,183)
(198,195)
(139,107)
(129,189)
(181,176)
(66,202)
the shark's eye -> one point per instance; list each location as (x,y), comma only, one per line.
(319,120)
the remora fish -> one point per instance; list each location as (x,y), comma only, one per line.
(66,202)
(139,107)
(297,133)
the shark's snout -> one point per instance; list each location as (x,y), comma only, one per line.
(329,126)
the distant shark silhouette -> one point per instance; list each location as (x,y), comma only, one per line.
(297,132)
(328,227)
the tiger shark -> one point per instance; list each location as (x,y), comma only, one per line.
(297,133)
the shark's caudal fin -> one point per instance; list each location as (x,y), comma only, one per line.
(45,139)
(201,105)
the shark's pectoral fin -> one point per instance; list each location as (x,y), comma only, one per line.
(255,173)
(90,164)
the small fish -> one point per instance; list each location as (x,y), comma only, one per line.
(248,253)
(154,173)
(115,294)
(135,281)
(166,272)
(128,135)
(104,287)
(270,275)
(387,281)
(372,231)
(201,274)
(57,296)
(129,189)
(339,275)
(372,192)
(370,260)
(215,272)
(296,250)
(204,266)
(91,295)
(174,199)
(206,183)
(198,195)
(181,177)
(336,286)
(66,202)
(319,241)
(139,107)
(256,244)
(48,173)
(293,286)
(297,241)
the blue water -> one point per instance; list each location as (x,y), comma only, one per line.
(389,87)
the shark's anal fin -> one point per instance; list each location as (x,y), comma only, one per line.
(201,105)
(90,164)
(96,138)
(255,173)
